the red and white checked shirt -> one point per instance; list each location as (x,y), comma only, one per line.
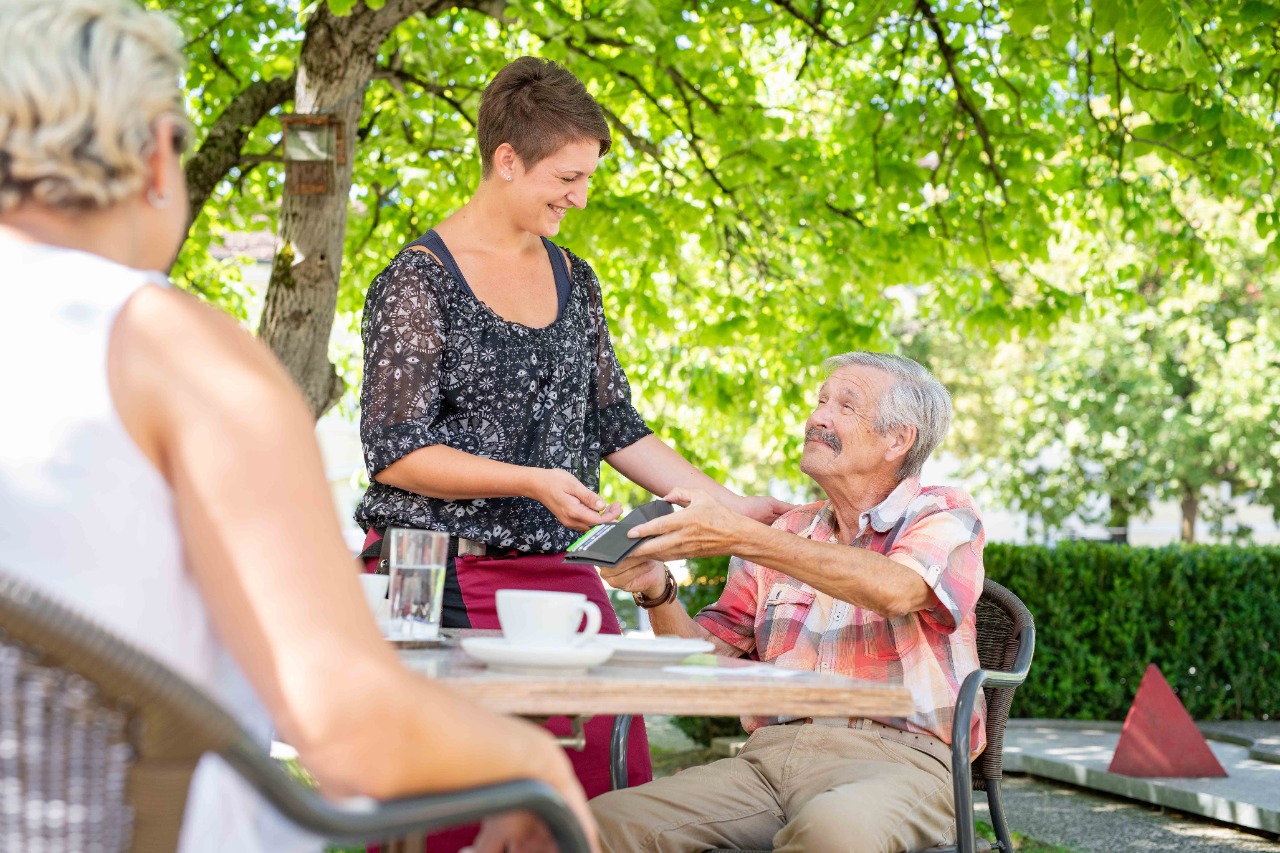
(932,530)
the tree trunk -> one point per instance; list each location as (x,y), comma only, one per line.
(1190,507)
(337,61)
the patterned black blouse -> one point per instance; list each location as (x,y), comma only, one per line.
(441,368)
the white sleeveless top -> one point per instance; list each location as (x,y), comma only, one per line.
(87,517)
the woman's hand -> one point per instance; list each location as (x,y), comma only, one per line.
(520,832)
(517,831)
(572,503)
(762,508)
(524,832)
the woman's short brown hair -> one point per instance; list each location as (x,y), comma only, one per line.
(537,106)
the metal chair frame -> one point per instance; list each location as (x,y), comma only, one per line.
(998,678)
(172,723)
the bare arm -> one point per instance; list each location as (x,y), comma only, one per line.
(223,423)
(654,465)
(445,472)
(855,575)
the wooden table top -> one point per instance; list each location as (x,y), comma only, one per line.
(627,688)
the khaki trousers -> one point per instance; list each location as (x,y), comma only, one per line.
(797,789)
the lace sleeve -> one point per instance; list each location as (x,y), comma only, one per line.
(620,423)
(403,332)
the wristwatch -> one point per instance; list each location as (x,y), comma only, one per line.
(668,594)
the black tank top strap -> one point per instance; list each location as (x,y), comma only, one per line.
(559,266)
(432,243)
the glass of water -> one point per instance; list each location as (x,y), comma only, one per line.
(417,582)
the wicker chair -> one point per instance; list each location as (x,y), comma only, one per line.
(1006,643)
(98,742)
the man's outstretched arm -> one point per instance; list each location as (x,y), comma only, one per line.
(707,529)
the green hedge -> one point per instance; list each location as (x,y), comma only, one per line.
(1208,616)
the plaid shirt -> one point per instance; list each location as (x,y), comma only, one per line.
(932,530)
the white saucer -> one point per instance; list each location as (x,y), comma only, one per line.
(652,649)
(502,656)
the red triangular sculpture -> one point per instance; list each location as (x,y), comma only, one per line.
(1159,737)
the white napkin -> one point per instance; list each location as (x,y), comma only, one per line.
(756,671)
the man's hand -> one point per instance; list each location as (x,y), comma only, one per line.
(705,528)
(572,503)
(648,577)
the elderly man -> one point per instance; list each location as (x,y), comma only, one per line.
(878,582)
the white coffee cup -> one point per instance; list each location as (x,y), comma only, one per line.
(543,618)
(375,593)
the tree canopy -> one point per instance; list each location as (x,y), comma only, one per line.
(1176,398)
(786,174)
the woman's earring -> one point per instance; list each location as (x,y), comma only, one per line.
(159,199)
(507,176)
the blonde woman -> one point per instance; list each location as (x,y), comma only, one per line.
(143,421)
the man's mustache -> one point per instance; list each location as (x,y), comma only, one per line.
(830,439)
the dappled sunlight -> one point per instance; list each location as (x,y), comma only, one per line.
(1081,753)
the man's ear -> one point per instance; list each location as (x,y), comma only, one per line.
(902,439)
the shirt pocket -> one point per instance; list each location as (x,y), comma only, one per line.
(887,639)
(785,611)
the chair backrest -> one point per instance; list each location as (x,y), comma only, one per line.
(106,736)
(101,728)
(1004,626)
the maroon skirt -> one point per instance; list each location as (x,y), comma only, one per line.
(475,580)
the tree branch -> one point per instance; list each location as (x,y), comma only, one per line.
(897,84)
(854,216)
(979,123)
(221,149)
(209,29)
(813,23)
(441,92)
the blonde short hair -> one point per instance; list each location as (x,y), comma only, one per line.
(82,83)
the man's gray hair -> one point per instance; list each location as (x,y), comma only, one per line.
(915,399)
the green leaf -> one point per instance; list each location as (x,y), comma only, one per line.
(1024,18)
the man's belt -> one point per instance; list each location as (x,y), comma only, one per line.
(927,744)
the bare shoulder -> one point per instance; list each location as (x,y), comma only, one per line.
(179,335)
(174,361)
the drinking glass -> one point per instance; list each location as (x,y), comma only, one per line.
(417,582)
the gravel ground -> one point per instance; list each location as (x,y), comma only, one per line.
(1089,823)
